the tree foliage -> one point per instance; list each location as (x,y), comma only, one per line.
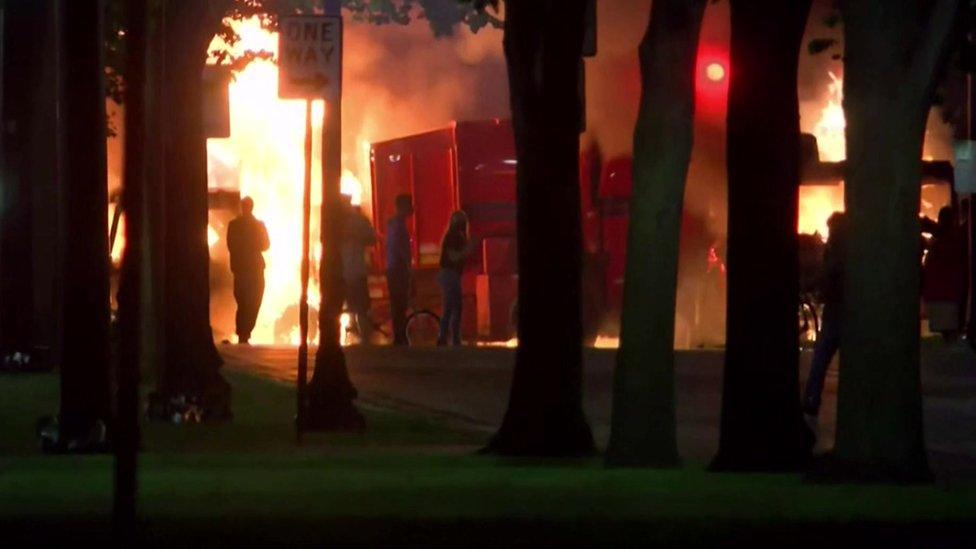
(443,16)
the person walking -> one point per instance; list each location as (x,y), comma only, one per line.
(398,263)
(832,296)
(247,238)
(944,277)
(455,249)
(357,235)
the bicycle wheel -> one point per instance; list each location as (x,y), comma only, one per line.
(422,328)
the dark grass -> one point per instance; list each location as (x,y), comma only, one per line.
(413,481)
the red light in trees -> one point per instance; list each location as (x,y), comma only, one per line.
(712,73)
(715,72)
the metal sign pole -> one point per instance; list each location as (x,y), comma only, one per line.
(310,67)
(303,303)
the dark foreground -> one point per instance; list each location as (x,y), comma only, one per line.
(413,479)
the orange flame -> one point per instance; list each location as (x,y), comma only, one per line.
(817,203)
(829,130)
(266,150)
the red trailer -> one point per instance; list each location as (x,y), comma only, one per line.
(468,166)
(471,166)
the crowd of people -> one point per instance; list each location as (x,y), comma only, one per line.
(944,278)
(247,240)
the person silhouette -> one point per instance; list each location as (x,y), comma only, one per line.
(455,249)
(399,259)
(247,238)
(832,296)
(357,236)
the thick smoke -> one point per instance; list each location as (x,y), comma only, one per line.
(400,80)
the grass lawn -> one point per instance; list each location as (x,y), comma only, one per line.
(409,480)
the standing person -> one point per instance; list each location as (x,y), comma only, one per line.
(398,262)
(357,235)
(944,277)
(247,238)
(455,249)
(832,296)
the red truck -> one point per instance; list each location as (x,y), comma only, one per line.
(471,166)
(468,166)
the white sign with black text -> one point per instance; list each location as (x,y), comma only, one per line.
(310,57)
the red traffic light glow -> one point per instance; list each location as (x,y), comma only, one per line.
(715,71)
(712,73)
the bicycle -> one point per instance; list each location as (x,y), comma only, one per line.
(423,327)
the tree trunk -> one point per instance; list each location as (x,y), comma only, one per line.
(154,226)
(85,385)
(543,46)
(23,23)
(192,362)
(762,426)
(893,53)
(642,430)
(131,292)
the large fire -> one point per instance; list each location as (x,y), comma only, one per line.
(829,129)
(818,202)
(265,157)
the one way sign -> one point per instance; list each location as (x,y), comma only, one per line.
(310,57)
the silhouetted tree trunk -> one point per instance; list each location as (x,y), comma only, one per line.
(192,363)
(23,24)
(131,293)
(154,226)
(543,45)
(642,431)
(894,50)
(762,426)
(85,385)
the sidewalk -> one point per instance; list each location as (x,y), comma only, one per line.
(469,387)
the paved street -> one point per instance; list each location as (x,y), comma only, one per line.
(470,386)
